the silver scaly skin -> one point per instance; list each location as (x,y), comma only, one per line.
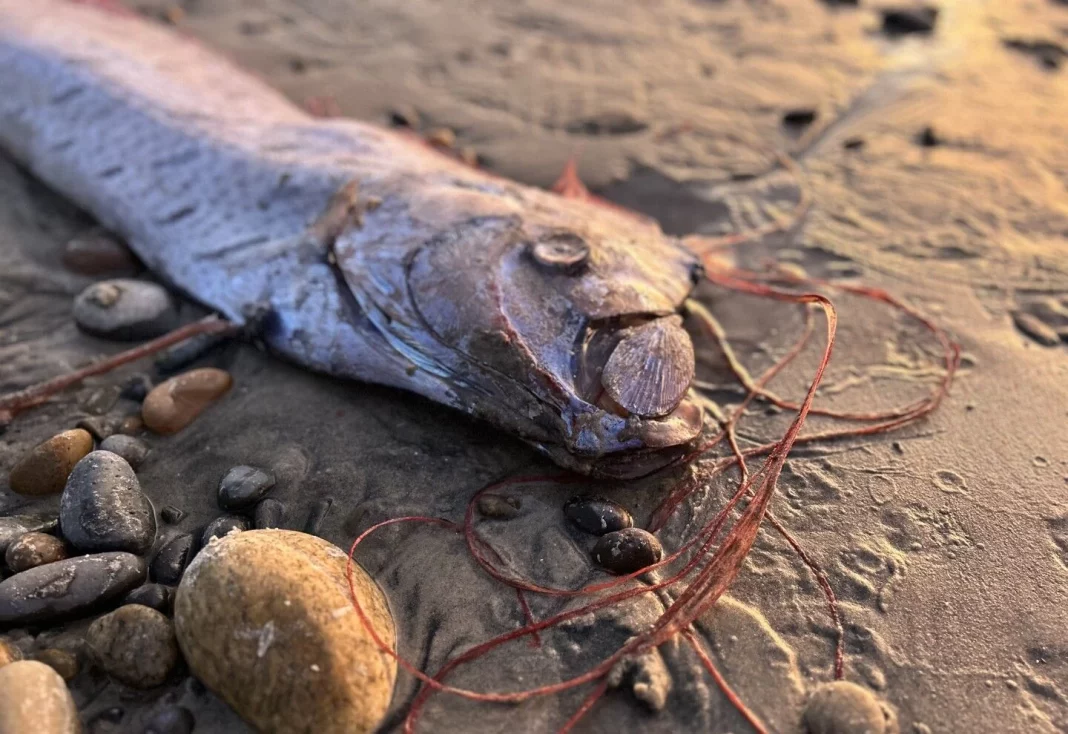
(378,258)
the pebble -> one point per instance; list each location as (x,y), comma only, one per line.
(136,387)
(134,644)
(171,559)
(44,470)
(32,550)
(9,653)
(125,310)
(155,596)
(104,509)
(131,424)
(132,449)
(68,588)
(98,253)
(842,707)
(171,515)
(100,427)
(1036,328)
(499,507)
(801,117)
(62,661)
(243,487)
(100,400)
(170,720)
(628,550)
(14,527)
(597,515)
(900,21)
(238,625)
(317,516)
(221,526)
(174,404)
(270,513)
(34,698)
(185,353)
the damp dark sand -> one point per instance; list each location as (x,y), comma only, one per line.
(946,542)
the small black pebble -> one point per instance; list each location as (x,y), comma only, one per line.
(243,487)
(853,143)
(157,596)
(318,515)
(597,515)
(136,387)
(178,357)
(498,506)
(270,513)
(928,138)
(171,559)
(628,550)
(799,117)
(132,449)
(171,720)
(99,427)
(222,525)
(900,21)
(171,515)
(111,715)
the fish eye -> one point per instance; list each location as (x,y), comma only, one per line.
(561,252)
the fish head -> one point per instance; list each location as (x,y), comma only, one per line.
(566,327)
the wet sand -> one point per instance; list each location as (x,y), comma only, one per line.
(947,542)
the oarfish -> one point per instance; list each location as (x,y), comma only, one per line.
(376,258)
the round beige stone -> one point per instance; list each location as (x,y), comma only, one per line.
(44,470)
(34,698)
(264,619)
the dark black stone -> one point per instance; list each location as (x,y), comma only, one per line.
(317,516)
(15,526)
(270,513)
(900,21)
(127,310)
(184,354)
(626,551)
(132,449)
(928,138)
(157,596)
(597,515)
(222,525)
(171,515)
(799,117)
(136,387)
(170,720)
(103,507)
(243,487)
(853,143)
(171,559)
(69,588)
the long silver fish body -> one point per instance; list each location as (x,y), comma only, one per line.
(554,319)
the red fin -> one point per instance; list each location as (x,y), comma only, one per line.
(569,185)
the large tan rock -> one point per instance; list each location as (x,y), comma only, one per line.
(264,619)
(34,698)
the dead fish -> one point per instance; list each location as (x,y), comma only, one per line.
(377,259)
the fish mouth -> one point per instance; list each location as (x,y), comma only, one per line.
(635,372)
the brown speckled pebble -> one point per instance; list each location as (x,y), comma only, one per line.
(45,468)
(61,661)
(842,707)
(273,605)
(134,644)
(34,698)
(174,404)
(34,549)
